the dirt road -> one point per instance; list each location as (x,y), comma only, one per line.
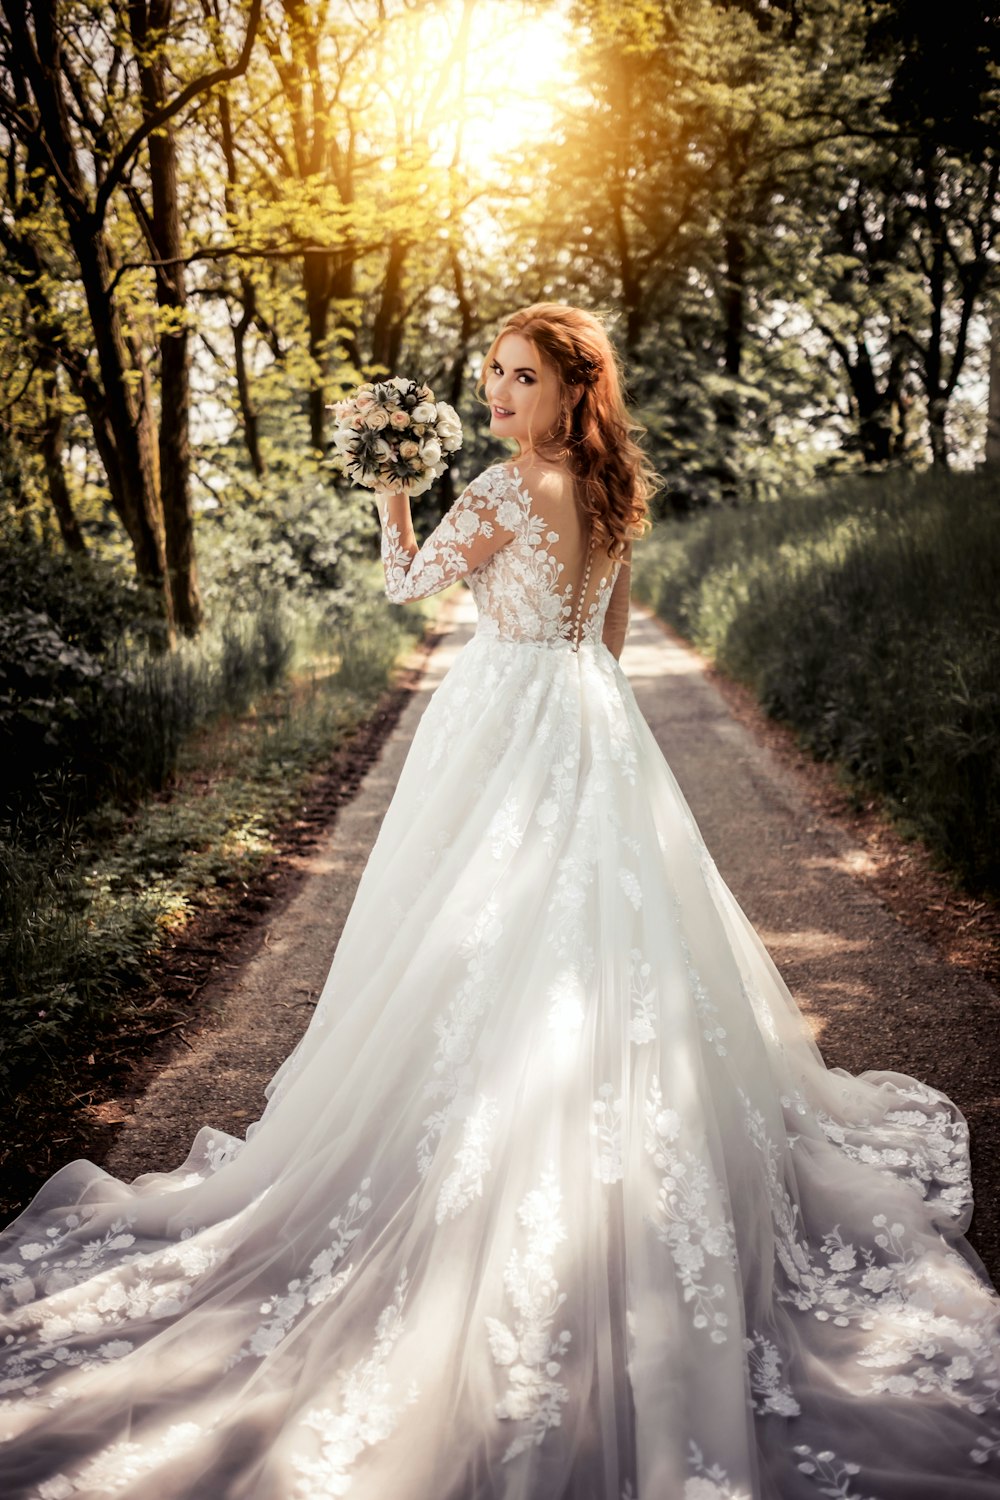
(876,995)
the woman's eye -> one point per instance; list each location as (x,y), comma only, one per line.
(527,379)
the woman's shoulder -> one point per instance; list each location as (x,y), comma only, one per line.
(496,493)
(498,481)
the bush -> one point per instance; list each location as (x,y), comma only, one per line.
(95,717)
(866,614)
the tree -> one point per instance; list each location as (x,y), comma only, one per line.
(76,133)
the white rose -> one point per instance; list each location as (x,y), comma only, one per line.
(425,412)
(377,419)
(449,426)
(381,449)
(430,451)
(400,382)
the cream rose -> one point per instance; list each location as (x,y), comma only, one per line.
(363,401)
(377,419)
(449,424)
(399,419)
(409,449)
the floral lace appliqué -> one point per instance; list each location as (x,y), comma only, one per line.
(318,1285)
(530,1352)
(367,1412)
(770,1396)
(456,1030)
(472,1161)
(709,1481)
(684,1215)
(606,1127)
(642,995)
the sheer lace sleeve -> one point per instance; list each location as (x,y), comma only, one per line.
(470,533)
(617,617)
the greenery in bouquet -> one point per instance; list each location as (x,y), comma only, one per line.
(392,435)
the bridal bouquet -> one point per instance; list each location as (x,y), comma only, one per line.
(392,435)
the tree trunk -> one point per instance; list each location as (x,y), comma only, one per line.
(11,477)
(251,424)
(316,281)
(248,299)
(53,433)
(992,453)
(150,24)
(387,325)
(937,412)
(727,407)
(175,390)
(130,458)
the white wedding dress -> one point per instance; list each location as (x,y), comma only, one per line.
(556,1199)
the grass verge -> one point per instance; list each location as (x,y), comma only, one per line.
(867,615)
(85,915)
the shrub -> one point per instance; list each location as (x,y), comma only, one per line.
(866,614)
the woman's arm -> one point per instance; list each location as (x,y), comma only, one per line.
(469,534)
(617,618)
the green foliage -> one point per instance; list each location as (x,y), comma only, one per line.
(83,912)
(866,614)
(140,782)
(89,704)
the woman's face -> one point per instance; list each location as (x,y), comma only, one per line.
(522,391)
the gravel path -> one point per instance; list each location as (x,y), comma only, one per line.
(876,995)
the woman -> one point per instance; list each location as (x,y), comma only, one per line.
(556,1198)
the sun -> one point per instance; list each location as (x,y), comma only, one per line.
(506,70)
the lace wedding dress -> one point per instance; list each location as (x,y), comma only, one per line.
(556,1199)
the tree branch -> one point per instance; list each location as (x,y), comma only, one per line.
(160,117)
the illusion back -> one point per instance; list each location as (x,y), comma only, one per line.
(531,567)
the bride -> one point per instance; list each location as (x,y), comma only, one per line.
(556,1199)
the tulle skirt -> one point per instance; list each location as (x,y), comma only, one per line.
(555,1198)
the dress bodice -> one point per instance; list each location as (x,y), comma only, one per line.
(533,577)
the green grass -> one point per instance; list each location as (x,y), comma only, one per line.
(867,615)
(85,907)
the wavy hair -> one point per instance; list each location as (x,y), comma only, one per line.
(594,433)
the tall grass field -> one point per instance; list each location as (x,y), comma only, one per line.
(866,614)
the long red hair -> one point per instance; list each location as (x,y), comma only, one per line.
(595,435)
